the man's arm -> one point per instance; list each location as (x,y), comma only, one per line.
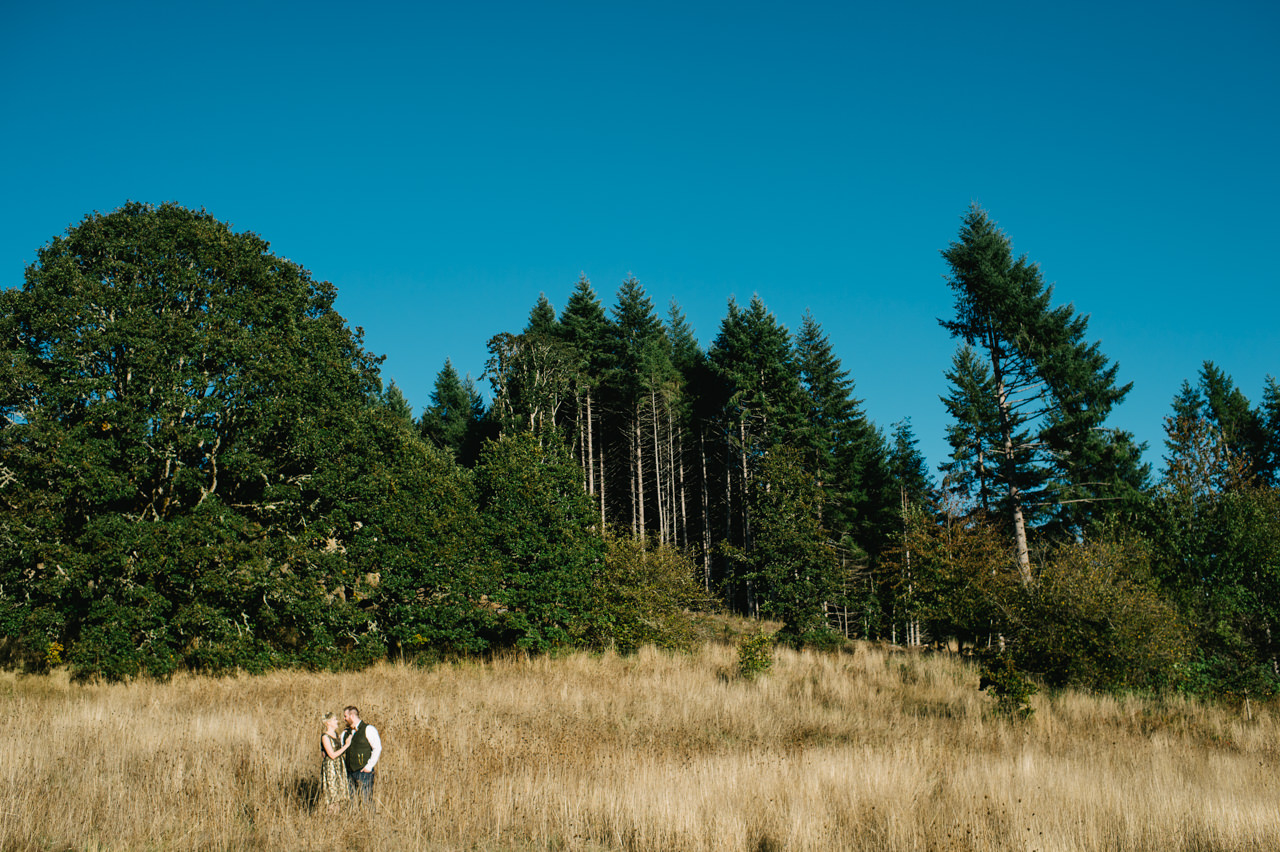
(376,741)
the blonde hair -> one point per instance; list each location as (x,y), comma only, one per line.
(324,722)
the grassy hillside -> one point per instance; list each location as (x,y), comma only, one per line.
(867,749)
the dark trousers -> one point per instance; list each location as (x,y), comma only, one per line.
(361,784)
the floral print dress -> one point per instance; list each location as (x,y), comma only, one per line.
(333,776)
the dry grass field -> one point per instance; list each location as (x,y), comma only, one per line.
(863,750)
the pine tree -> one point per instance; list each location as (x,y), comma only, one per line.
(828,401)
(1051,390)
(792,562)
(453,419)
(972,435)
(1215,436)
(583,329)
(909,473)
(1214,529)
(542,318)
(843,448)
(759,405)
(1270,416)
(397,405)
(1240,426)
(643,382)
(694,414)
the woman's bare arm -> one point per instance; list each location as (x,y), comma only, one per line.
(328,749)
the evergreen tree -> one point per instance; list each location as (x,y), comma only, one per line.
(907,466)
(686,354)
(1216,541)
(845,450)
(972,434)
(542,319)
(913,496)
(1270,417)
(753,357)
(695,410)
(1215,532)
(829,405)
(584,331)
(397,405)
(759,403)
(1240,431)
(793,564)
(454,418)
(1052,391)
(531,374)
(644,384)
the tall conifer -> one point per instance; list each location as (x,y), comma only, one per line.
(1051,390)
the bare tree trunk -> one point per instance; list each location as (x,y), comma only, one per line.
(730,576)
(912,626)
(706,510)
(1015,495)
(682,528)
(602,489)
(591,458)
(742,456)
(639,473)
(657,468)
(580,442)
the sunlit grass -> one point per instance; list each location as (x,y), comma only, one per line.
(865,750)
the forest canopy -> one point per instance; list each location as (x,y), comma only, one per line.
(201,468)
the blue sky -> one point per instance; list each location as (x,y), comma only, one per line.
(444,163)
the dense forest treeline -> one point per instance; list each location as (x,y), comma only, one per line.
(200,467)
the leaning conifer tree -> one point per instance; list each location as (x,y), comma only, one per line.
(1051,391)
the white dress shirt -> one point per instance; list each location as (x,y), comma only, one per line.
(376,741)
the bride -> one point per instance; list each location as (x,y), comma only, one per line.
(333,775)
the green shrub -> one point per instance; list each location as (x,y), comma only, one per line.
(755,655)
(1094,619)
(1011,688)
(645,595)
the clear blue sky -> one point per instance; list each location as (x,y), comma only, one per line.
(444,163)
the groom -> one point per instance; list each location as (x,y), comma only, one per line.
(362,757)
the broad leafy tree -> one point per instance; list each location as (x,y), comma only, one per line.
(544,540)
(180,411)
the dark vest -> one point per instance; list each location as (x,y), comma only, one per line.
(360,752)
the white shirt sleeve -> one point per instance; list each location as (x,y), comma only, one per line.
(376,741)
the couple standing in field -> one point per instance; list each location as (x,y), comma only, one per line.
(348,761)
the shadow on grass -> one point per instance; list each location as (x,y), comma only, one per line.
(306,792)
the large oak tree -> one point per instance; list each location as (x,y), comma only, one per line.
(197,464)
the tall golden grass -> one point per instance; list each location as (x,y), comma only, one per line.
(869,749)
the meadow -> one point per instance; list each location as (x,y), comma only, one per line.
(868,748)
